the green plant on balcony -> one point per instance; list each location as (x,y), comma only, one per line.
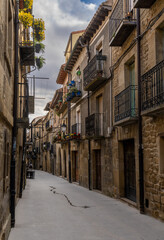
(40,61)
(28,4)
(39,47)
(26,19)
(73,89)
(39,30)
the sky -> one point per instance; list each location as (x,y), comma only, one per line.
(61,18)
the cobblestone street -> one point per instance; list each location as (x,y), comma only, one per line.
(51,208)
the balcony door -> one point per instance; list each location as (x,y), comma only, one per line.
(78,121)
(99,124)
(129,5)
(132,91)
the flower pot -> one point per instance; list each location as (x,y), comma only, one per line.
(78,94)
(37,48)
(21,4)
(78,73)
(73,94)
(73,83)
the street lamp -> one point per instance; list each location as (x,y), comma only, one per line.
(63,128)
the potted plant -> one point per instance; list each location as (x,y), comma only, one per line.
(78,93)
(28,4)
(26,19)
(39,47)
(39,30)
(60,102)
(73,83)
(78,72)
(39,62)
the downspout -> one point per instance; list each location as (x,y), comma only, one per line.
(25,114)
(141,170)
(13,158)
(89,141)
(23,164)
(69,130)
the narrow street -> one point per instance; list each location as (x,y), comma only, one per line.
(51,208)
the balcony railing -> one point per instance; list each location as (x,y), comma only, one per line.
(27,53)
(76,128)
(94,125)
(94,73)
(143,4)
(121,23)
(152,90)
(63,107)
(125,104)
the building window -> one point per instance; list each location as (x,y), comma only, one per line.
(160,44)
(161,155)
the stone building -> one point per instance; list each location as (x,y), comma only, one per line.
(7,11)
(89,64)
(13,113)
(138,52)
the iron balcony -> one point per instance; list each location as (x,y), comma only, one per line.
(63,107)
(76,128)
(94,125)
(152,90)
(94,74)
(143,4)
(121,23)
(27,53)
(126,110)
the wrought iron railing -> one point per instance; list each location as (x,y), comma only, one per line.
(125,104)
(94,68)
(76,128)
(152,87)
(122,10)
(94,125)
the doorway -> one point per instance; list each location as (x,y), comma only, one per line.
(129,170)
(75,167)
(97,170)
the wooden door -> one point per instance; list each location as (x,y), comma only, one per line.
(75,166)
(97,170)
(130,170)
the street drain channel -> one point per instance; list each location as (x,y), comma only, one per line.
(52,189)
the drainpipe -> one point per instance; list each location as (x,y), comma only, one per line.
(69,130)
(89,150)
(23,163)
(141,170)
(13,158)
(89,141)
